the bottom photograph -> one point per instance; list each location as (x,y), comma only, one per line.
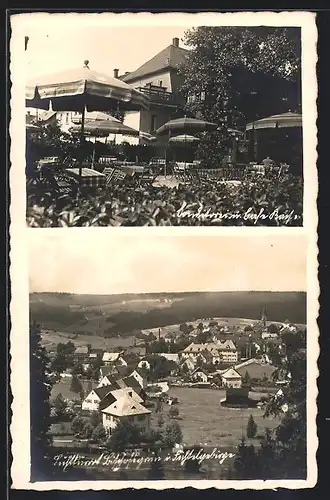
(167,357)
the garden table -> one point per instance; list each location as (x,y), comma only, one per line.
(89,177)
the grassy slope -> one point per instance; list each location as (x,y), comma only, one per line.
(94,314)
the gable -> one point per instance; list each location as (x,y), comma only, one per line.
(170,57)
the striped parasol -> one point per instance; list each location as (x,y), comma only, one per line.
(284,120)
(185,125)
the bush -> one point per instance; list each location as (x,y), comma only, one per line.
(172,434)
(251,429)
(99,433)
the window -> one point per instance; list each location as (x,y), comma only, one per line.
(140,418)
(67,118)
(95,401)
(160,83)
(153,123)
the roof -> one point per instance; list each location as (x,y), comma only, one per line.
(81,350)
(101,392)
(231,373)
(170,57)
(125,406)
(110,356)
(119,393)
(170,356)
(45,115)
(194,348)
(199,370)
(247,363)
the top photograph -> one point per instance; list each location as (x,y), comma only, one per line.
(163,126)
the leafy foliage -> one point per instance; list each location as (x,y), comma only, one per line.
(40,389)
(126,204)
(123,434)
(227,66)
(76,385)
(251,428)
(172,434)
(174,412)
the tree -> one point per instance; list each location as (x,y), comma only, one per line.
(64,357)
(173,412)
(246,379)
(87,430)
(273,328)
(184,328)
(77,424)
(160,421)
(40,389)
(60,405)
(251,429)
(76,385)
(226,67)
(95,419)
(172,434)
(123,435)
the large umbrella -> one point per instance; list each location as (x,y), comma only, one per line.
(185,125)
(102,128)
(283,120)
(80,89)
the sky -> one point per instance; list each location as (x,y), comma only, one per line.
(55,47)
(139,262)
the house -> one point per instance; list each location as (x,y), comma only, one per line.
(192,351)
(126,409)
(94,398)
(199,375)
(188,364)
(227,350)
(107,380)
(139,350)
(159,79)
(231,378)
(47,117)
(239,398)
(109,358)
(268,335)
(81,353)
(132,382)
(255,368)
(170,356)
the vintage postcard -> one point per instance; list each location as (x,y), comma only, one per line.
(175,120)
(173,353)
(165,362)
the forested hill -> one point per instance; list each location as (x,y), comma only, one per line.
(125,313)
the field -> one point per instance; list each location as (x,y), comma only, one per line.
(50,339)
(63,387)
(204,421)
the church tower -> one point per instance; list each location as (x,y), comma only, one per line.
(264,318)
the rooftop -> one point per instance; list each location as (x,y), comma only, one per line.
(125,406)
(170,57)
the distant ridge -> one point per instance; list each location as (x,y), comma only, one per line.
(124,313)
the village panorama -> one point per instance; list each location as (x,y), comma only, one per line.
(120,390)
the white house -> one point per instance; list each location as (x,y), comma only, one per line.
(231,378)
(126,408)
(189,364)
(94,398)
(170,356)
(268,335)
(192,351)
(110,357)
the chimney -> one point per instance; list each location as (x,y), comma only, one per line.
(175,42)
(115,73)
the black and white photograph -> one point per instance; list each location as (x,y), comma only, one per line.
(178,358)
(141,124)
(146,352)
